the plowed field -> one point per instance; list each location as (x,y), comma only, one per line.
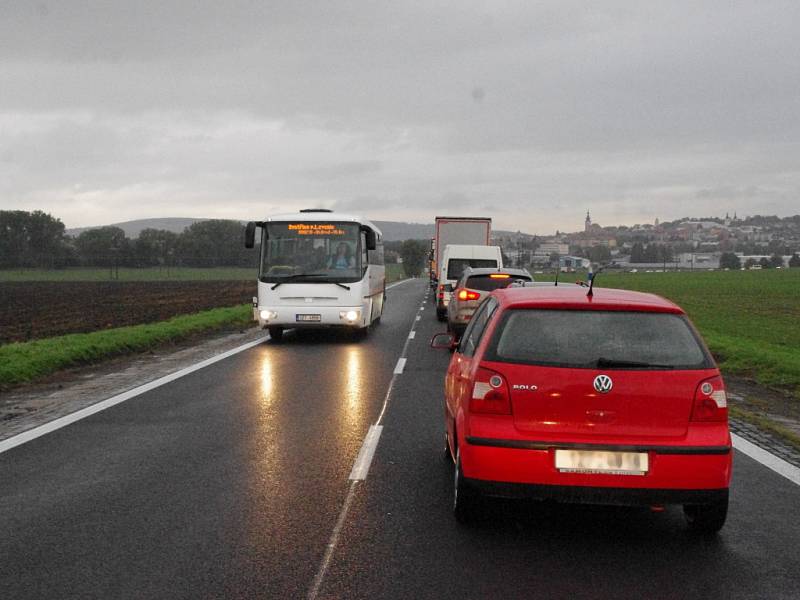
(44,309)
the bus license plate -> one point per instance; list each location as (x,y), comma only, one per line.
(313,318)
(596,461)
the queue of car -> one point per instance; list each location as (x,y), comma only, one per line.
(568,393)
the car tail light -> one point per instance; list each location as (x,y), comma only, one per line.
(468,295)
(490,394)
(499,276)
(710,401)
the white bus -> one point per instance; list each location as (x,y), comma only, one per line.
(318,269)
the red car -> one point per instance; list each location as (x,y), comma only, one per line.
(603,398)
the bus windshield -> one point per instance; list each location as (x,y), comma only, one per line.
(318,252)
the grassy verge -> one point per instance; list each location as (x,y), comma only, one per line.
(766,424)
(23,362)
(394,273)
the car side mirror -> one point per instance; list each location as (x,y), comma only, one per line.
(250,235)
(443,341)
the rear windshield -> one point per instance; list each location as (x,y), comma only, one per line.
(486,283)
(598,340)
(456,266)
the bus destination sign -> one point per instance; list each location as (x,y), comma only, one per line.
(316,229)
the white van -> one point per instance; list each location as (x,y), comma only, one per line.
(455,259)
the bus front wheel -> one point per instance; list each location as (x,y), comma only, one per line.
(275,333)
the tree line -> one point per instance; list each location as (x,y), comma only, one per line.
(38,240)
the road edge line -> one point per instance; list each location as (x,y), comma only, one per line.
(766,458)
(55,424)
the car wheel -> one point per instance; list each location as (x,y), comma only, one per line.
(441,314)
(706,518)
(275,333)
(465,499)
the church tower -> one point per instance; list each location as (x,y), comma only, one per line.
(587,226)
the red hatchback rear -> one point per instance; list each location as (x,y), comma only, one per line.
(610,399)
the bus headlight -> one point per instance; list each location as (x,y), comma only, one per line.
(268,315)
(351,316)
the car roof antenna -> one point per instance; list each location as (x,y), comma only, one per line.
(558,270)
(590,293)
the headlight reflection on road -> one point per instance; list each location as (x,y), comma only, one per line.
(266,379)
(353,389)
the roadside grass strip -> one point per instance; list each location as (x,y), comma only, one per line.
(27,361)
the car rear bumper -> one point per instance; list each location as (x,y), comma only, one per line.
(528,463)
(597,495)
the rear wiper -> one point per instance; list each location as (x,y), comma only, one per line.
(608,363)
(298,275)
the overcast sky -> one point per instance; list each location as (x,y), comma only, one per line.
(528,112)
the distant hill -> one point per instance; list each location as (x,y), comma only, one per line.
(132,229)
(393,231)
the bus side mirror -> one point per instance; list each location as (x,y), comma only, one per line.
(250,235)
(372,239)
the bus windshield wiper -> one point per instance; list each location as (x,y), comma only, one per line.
(608,363)
(299,275)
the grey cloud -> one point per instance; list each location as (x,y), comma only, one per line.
(533,109)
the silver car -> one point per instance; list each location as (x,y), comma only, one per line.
(473,286)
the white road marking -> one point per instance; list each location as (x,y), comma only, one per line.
(422,308)
(316,584)
(412,335)
(401,364)
(767,459)
(332,543)
(396,283)
(32,434)
(364,458)
(418,317)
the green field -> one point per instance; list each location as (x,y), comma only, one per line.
(393,273)
(750,319)
(28,361)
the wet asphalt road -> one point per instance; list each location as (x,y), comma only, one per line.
(228,483)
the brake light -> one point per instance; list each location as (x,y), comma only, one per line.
(490,394)
(467,295)
(499,276)
(710,401)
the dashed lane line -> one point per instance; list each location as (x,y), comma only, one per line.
(364,458)
(358,474)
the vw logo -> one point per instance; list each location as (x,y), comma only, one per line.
(603,384)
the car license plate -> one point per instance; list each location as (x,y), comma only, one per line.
(600,461)
(309,317)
